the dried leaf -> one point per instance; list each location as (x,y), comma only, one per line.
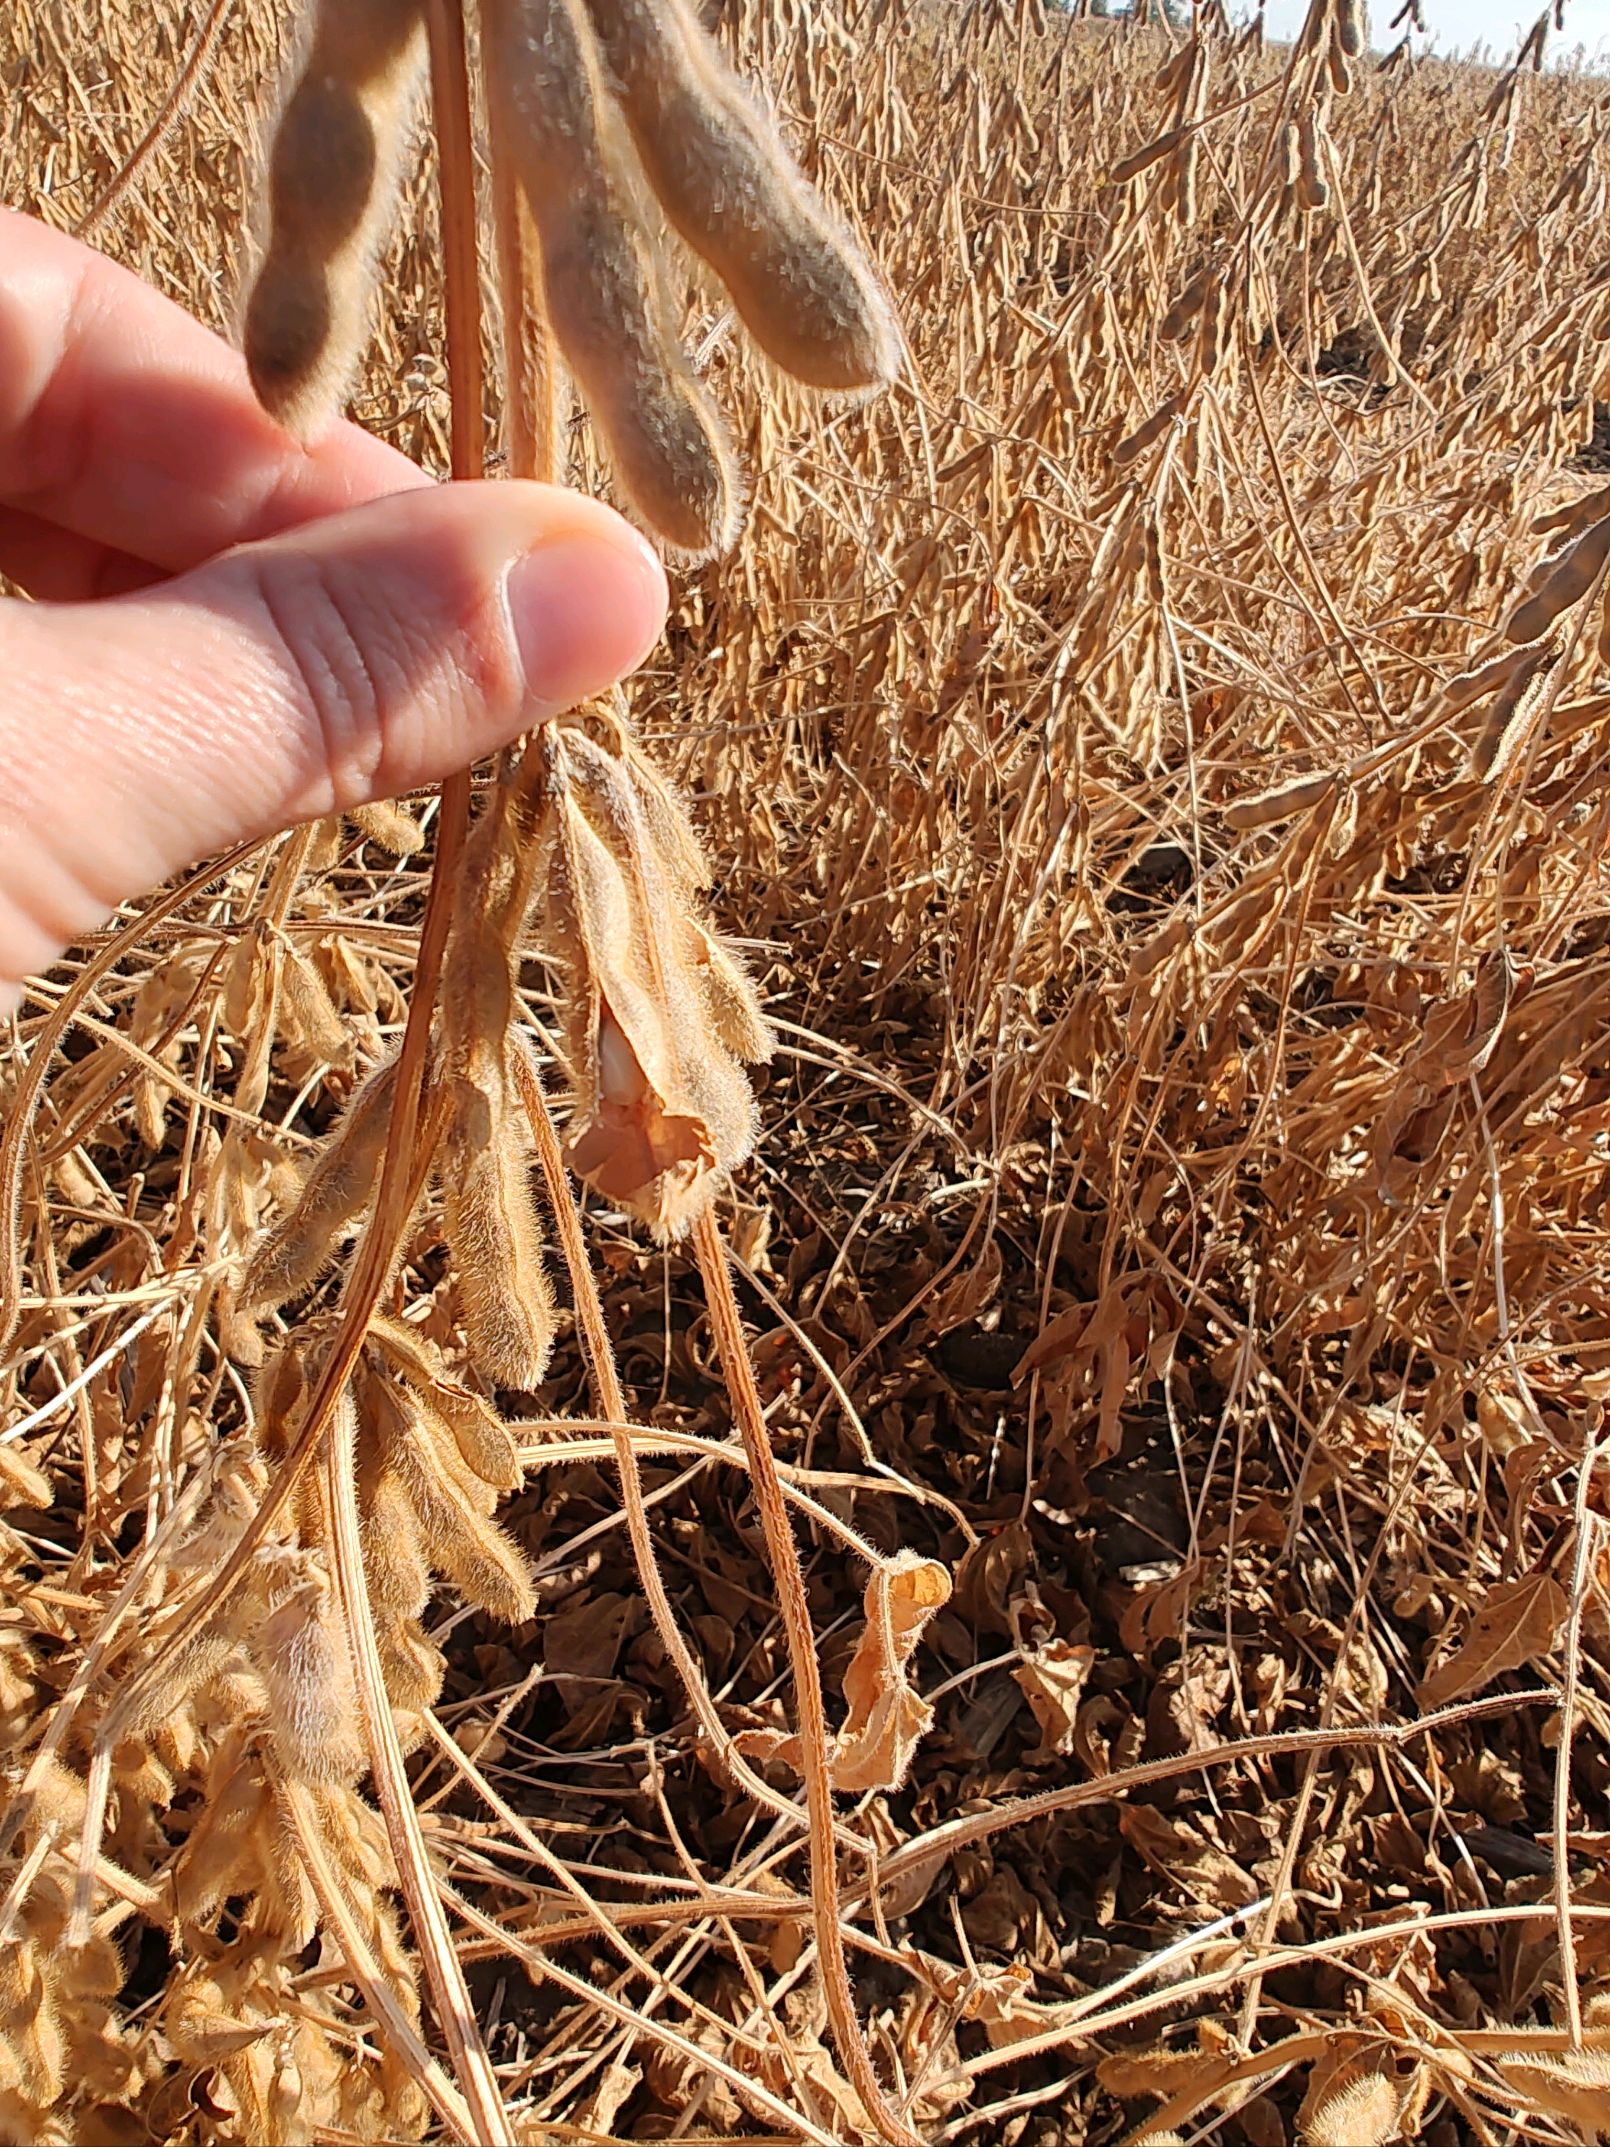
(1519,1620)
(886,1716)
(1460,1033)
(1186,1857)
(967,1294)
(1053,1679)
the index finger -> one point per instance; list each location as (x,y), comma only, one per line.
(128,424)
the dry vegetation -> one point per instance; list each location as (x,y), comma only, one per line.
(1153,757)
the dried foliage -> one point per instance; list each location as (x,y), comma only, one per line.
(1151,759)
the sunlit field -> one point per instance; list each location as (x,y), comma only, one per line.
(1151,762)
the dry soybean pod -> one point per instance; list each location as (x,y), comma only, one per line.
(333,173)
(1574,574)
(1467,686)
(1279,804)
(483,1438)
(489,1219)
(338,1188)
(1143,159)
(730,188)
(1214,337)
(1313,189)
(1177,322)
(389,826)
(1508,722)
(665,437)
(1578,514)
(1144,436)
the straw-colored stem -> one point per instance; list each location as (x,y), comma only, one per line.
(361,1965)
(739,1373)
(461,272)
(530,363)
(472,2066)
(612,1410)
(455,2012)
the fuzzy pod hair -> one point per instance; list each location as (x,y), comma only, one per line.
(302,1653)
(666,439)
(490,1222)
(1467,687)
(484,1170)
(1507,723)
(484,1441)
(452,1506)
(735,196)
(334,166)
(337,1189)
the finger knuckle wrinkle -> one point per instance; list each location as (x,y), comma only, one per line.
(342,671)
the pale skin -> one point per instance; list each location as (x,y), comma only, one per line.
(231,632)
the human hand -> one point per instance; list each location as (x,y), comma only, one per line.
(238,633)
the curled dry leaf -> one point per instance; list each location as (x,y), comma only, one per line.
(1461,1033)
(1182,1854)
(1053,1677)
(968,1293)
(886,1717)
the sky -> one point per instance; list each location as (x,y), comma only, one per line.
(1458,25)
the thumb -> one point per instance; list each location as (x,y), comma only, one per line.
(354,658)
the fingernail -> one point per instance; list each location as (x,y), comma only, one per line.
(586,608)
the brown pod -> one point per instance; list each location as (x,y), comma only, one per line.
(310,1011)
(1178,320)
(665,436)
(1214,338)
(1508,722)
(1577,514)
(1313,189)
(337,1189)
(1572,575)
(333,171)
(489,1219)
(389,826)
(1290,153)
(1144,158)
(1352,29)
(1279,804)
(1466,687)
(394,1561)
(1131,448)
(734,194)
(301,1650)
(452,1507)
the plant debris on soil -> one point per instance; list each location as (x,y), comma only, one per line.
(1154,764)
